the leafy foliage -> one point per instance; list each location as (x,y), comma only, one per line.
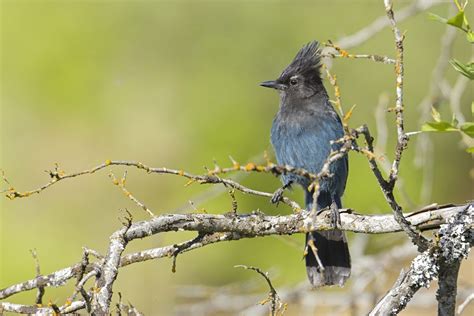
(466,69)
(459,21)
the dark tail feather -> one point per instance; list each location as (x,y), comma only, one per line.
(333,252)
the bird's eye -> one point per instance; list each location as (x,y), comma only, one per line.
(293,81)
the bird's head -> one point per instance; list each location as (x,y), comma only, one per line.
(301,78)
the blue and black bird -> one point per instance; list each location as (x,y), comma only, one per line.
(302,135)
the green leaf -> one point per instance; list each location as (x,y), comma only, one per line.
(438,18)
(470,150)
(465,69)
(472,108)
(470,37)
(468,129)
(438,127)
(457,20)
(435,114)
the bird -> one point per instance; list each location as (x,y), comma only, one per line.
(303,133)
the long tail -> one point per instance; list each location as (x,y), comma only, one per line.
(332,250)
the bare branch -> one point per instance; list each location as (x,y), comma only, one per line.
(214,191)
(341,53)
(103,296)
(426,266)
(381,145)
(34,309)
(222,228)
(402,139)
(441,258)
(168,251)
(448,287)
(456,239)
(466,302)
(210,178)
(130,310)
(277,306)
(121,184)
(368,270)
(40,294)
(381,22)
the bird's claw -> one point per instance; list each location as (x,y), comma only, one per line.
(335,216)
(277,196)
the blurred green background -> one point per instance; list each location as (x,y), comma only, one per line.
(175,84)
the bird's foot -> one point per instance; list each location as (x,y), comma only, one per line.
(335,216)
(278,196)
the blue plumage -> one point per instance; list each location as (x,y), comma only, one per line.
(301,135)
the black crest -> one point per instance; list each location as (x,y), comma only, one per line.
(306,63)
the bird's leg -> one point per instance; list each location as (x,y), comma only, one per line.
(278,195)
(335,216)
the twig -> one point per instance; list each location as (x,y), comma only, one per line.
(399,71)
(337,92)
(82,268)
(130,310)
(341,53)
(179,248)
(381,145)
(214,191)
(347,141)
(40,294)
(119,305)
(277,305)
(210,178)
(234,201)
(376,58)
(387,190)
(334,156)
(121,184)
(381,22)
(466,302)
(310,244)
(53,310)
(402,139)
(366,269)
(457,92)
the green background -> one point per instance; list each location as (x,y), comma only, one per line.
(175,84)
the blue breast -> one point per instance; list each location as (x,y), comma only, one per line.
(306,143)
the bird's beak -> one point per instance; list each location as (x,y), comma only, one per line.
(273,84)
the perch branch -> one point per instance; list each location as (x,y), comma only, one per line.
(222,228)
(210,178)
